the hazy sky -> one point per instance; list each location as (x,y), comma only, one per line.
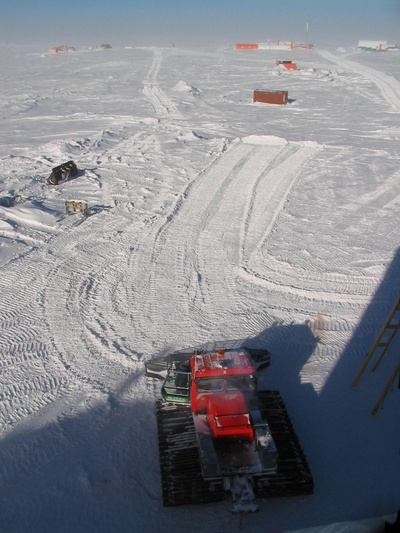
(185,22)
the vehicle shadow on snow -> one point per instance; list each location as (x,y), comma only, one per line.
(361,450)
(353,456)
(365,333)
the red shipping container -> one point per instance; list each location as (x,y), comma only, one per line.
(287,64)
(271,97)
(246,46)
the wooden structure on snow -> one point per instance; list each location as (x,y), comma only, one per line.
(382,342)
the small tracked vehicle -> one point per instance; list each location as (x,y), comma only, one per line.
(218,433)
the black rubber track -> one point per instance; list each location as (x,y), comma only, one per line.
(293,476)
(181,478)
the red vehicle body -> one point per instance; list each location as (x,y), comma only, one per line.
(218,433)
(219,382)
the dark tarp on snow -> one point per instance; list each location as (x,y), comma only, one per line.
(62,173)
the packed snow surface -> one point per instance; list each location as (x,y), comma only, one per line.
(210,219)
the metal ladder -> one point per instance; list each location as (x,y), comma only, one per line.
(392,325)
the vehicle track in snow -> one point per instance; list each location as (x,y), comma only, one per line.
(24,347)
(389,86)
(47,314)
(206,256)
(210,262)
(162,104)
(199,251)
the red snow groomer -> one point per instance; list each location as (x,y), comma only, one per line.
(218,433)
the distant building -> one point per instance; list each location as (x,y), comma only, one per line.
(303,46)
(272,45)
(376,46)
(62,48)
(276,45)
(247,46)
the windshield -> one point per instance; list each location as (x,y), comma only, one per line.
(210,384)
(233,383)
(241,383)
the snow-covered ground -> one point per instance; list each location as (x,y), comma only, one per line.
(210,218)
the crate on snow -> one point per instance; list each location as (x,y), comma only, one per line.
(287,64)
(271,97)
(76,206)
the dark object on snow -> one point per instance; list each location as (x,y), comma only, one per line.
(62,173)
(10,201)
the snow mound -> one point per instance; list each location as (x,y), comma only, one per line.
(149,120)
(189,135)
(30,214)
(183,86)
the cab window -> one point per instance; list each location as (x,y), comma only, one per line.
(242,383)
(210,384)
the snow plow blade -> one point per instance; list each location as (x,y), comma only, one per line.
(157,367)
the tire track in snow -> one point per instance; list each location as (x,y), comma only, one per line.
(154,67)
(198,252)
(210,259)
(162,105)
(76,289)
(265,191)
(149,299)
(295,281)
(389,86)
(47,317)
(28,378)
(270,192)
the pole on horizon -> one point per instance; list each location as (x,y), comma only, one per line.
(307,33)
